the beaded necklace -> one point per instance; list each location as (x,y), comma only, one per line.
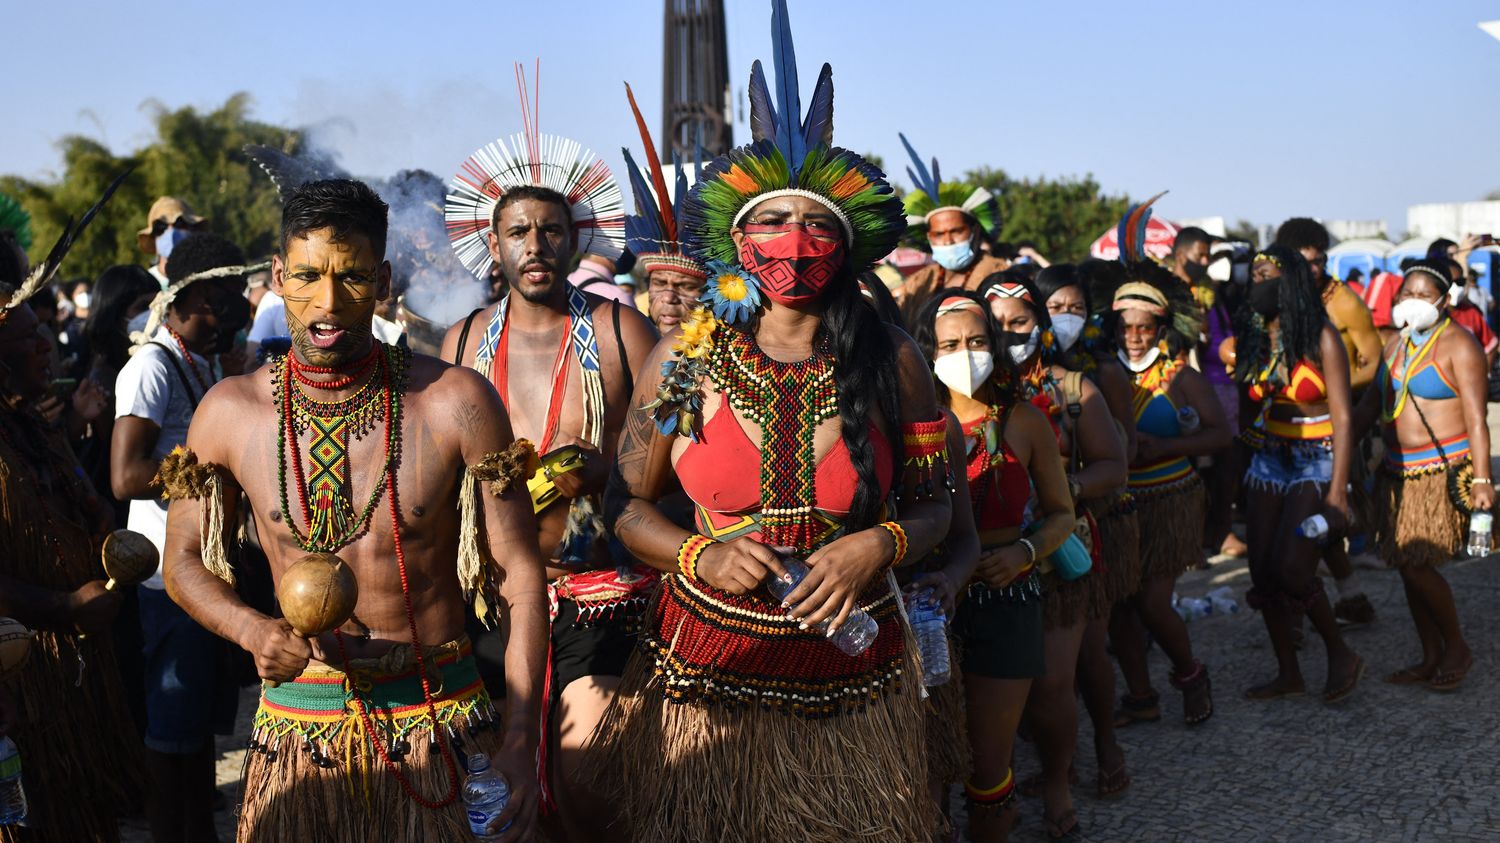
(788,401)
(203,383)
(329,515)
(391,364)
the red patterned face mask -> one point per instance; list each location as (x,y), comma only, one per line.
(794,267)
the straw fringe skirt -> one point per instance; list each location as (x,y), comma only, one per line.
(1171,529)
(687,763)
(352,797)
(1120,572)
(948,752)
(1417,525)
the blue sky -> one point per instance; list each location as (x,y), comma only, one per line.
(1262,111)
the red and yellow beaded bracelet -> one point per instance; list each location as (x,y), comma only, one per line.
(898,537)
(687,555)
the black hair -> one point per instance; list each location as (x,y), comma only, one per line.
(880,298)
(1034,301)
(1439,248)
(1408,263)
(1354,275)
(1451,265)
(1184,318)
(866,371)
(112,294)
(1191,236)
(1300,233)
(1004,382)
(1434,270)
(12,271)
(1301,320)
(201,251)
(625,262)
(1060,275)
(1100,278)
(345,205)
(530,191)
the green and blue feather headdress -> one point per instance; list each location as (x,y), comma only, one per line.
(932,194)
(791,155)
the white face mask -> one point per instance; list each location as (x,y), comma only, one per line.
(1416,314)
(1068,327)
(1022,352)
(81,301)
(1144,363)
(964,371)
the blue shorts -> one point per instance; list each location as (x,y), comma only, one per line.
(1280,464)
(190,687)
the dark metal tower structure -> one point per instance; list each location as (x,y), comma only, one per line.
(695,80)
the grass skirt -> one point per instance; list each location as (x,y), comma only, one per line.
(1417,526)
(948,752)
(313,774)
(720,729)
(1120,569)
(1171,528)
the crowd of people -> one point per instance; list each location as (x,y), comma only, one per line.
(649,548)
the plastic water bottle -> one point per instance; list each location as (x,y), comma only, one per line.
(1192,608)
(1314,527)
(929,625)
(1480,524)
(859,629)
(1187,419)
(12,795)
(1222,600)
(486,794)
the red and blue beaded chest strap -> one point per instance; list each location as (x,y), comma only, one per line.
(788,401)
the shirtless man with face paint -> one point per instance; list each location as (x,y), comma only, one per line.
(404,677)
(529,344)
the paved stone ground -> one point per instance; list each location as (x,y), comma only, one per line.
(1391,763)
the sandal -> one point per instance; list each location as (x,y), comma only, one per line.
(1449,680)
(1062,827)
(1134,710)
(1341,694)
(1197,694)
(1411,676)
(1112,784)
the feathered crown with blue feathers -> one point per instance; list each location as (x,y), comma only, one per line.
(932,194)
(791,155)
(651,232)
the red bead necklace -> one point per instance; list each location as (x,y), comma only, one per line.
(203,383)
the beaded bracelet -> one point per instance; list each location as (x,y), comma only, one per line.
(898,537)
(687,555)
(1030,548)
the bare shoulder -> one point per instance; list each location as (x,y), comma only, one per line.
(450,347)
(1462,347)
(229,412)
(908,356)
(443,383)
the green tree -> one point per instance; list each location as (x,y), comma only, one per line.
(1062,216)
(196,156)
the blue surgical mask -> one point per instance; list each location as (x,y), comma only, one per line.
(168,240)
(954,256)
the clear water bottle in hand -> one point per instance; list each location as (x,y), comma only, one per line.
(485,795)
(1480,533)
(929,626)
(858,630)
(1314,527)
(12,794)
